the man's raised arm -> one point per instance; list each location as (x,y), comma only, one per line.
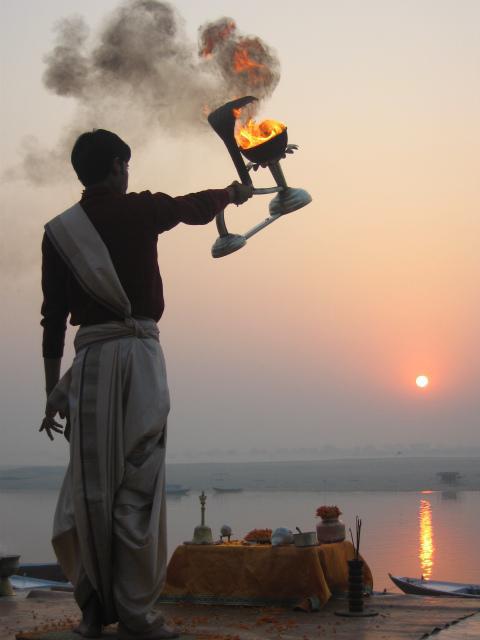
(196,208)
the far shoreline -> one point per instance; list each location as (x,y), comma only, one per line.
(320,475)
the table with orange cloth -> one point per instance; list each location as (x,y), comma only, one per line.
(234,573)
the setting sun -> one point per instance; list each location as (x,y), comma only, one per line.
(422,381)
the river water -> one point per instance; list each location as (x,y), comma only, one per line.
(432,533)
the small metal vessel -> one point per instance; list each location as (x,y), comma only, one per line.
(305,538)
(8,566)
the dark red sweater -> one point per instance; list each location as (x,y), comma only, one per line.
(129,226)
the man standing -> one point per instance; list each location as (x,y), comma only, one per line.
(100,266)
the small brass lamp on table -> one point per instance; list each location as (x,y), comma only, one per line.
(202,534)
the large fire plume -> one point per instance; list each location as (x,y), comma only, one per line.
(214,34)
(246,62)
(139,72)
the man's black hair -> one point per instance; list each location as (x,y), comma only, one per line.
(93,154)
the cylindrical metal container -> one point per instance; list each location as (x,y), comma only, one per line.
(305,539)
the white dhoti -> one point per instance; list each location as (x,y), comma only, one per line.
(110,527)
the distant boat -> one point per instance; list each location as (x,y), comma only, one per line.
(228,489)
(176,490)
(421,587)
(449,477)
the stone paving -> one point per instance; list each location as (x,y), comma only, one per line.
(400,617)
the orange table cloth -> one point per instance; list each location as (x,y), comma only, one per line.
(259,574)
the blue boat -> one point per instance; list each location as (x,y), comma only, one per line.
(25,583)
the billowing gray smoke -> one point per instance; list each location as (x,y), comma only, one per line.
(140,73)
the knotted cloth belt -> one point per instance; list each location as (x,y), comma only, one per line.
(115,329)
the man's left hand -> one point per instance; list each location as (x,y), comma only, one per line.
(49,425)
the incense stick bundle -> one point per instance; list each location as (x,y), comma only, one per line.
(358,533)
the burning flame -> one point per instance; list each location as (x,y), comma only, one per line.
(253,134)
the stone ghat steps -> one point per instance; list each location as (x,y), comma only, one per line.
(51,615)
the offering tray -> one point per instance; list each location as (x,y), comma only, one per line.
(259,536)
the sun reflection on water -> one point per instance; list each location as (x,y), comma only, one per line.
(427,548)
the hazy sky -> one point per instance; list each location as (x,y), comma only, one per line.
(314,333)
